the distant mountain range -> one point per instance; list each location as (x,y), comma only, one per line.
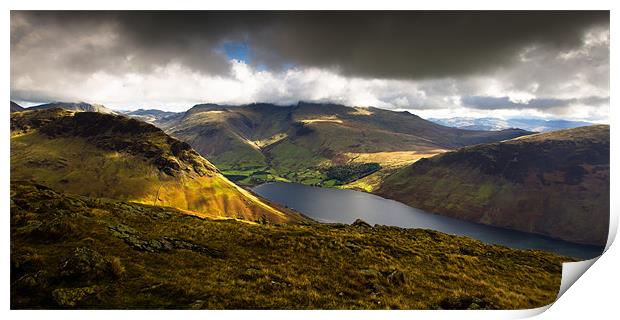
(150,115)
(495,124)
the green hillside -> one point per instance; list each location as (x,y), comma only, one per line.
(264,142)
(556,184)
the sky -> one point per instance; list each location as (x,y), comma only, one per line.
(435,64)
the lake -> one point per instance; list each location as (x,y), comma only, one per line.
(344,206)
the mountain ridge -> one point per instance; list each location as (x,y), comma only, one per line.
(74,106)
(495,124)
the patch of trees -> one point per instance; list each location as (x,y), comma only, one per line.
(351,172)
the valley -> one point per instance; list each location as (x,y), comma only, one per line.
(260,142)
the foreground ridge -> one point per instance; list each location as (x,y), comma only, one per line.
(72,251)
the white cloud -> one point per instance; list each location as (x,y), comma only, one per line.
(540,73)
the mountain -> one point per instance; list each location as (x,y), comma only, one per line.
(262,142)
(77,252)
(556,184)
(111,156)
(15,107)
(150,115)
(496,124)
(73,106)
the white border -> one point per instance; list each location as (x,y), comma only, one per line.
(593,295)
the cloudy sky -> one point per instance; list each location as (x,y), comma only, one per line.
(434,64)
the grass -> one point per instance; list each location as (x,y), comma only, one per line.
(161,258)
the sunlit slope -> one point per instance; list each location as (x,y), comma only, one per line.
(300,142)
(119,158)
(556,184)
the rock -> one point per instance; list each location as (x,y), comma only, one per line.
(84,264)
(164,244)
(32,281)
(396,278)
(467,251)
(71,297)
(197,305)
(467,302)
(352,246)
(361,224)
(252,274)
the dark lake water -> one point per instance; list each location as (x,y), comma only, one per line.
(344,206)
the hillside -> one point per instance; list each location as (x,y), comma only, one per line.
(72,251)
(556,184)
(15,107)
(264,142)
(73,106)
(101,155)
(537,125)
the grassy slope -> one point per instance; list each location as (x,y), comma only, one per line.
(154,257)
(556,184)
(101,166)
(298,142)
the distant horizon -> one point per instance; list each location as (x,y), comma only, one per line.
(430,118)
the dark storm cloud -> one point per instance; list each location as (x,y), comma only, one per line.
(401,44)
(495,103)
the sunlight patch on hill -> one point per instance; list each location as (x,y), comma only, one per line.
(361,111)
(271,140)
(333,119)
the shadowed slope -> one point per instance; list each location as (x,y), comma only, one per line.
(556,184)
(15,107)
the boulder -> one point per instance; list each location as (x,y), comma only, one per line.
(359,223)
(71,297)
(84,264)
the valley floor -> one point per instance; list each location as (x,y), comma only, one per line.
(78,252)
